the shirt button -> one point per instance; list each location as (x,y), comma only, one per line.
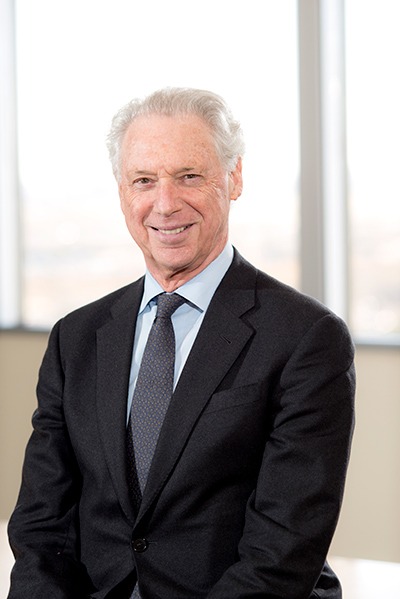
(140,545)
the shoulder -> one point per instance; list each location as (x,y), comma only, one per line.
(94,315)
(272,293)
(281,308)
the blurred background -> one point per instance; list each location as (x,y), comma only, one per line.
(315,84)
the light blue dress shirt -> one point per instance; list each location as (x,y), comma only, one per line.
(186,320)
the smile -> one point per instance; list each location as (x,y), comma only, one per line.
(171,231)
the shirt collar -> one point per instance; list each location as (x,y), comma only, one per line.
(199,290)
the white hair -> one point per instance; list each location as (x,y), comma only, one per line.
(178,101)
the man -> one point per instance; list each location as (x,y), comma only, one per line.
(241,493)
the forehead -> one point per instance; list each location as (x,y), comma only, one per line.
(159,137)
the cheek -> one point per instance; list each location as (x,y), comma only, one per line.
(125,202)
(123,206)
(132,208)
(132,220)
(215,201)
(219,208)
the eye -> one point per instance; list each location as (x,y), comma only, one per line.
(142,181)
(191,179)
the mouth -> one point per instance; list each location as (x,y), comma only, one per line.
(171,231)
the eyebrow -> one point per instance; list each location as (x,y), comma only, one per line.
(142,173)
(185,169)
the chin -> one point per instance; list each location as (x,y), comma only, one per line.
(174,259)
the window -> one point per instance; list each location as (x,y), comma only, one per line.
(77,63)
(373,117)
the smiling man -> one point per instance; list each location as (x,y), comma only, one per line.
(176,195)
(193,429)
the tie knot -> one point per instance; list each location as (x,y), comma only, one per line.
(167,304)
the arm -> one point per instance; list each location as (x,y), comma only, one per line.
(42,529)
(292,514)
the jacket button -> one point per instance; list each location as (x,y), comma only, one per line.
(140,545)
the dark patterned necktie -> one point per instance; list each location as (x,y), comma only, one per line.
(152,394)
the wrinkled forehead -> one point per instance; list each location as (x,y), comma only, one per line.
(187,137)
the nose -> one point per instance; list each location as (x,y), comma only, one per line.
(167,199)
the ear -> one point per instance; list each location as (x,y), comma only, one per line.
(236,181)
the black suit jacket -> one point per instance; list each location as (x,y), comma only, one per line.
(246,483)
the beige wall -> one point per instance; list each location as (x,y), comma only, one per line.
(20,357)
(369,526)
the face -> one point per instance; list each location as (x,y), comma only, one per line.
(175,195)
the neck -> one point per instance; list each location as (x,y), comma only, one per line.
(171,280)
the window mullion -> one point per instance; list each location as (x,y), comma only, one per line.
(334,161)
(323,153)
(311,251)
(10,277)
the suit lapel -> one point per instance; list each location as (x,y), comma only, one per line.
(219,342)
(114,355)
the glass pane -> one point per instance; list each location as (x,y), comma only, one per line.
(373,51)
(78,63)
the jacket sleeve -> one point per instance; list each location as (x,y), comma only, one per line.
(42,529)
(292,514)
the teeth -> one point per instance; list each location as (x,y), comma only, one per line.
(172,231)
